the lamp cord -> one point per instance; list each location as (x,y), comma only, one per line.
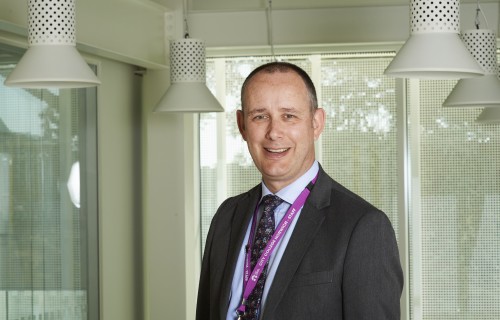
(480,11)
(186,27)
(269,15)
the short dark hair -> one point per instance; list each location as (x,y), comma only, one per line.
(280,66)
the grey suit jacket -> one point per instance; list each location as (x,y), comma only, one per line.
(341,262)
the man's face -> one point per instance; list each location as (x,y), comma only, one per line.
(279,127)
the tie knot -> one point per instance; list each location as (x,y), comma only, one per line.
(270,202)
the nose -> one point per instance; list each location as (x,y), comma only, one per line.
(274,129)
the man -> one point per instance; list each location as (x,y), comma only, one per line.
(316,251)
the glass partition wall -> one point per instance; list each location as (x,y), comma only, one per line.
(454,217)
(48,211)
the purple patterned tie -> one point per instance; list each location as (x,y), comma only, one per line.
(263,234)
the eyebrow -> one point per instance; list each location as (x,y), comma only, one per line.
(283,109)
(290,110)
(260,110)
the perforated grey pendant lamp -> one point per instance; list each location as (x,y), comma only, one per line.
(188,91)
(434,49)
(52,60)
(483,91)
(489,115)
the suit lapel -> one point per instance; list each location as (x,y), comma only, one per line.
(241,218)
(307,226)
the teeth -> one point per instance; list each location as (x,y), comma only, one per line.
(277,150)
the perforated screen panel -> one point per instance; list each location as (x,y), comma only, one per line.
(453,183)
(359,143)
(455,230)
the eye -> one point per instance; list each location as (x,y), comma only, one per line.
(289,116)
(259,117)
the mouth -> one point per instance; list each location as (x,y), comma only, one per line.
(280,150)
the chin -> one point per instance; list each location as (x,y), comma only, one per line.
(276,175)
(275,170)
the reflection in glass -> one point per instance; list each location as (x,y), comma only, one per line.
(43,236)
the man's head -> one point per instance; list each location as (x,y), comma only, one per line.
(282,67)
(280,120)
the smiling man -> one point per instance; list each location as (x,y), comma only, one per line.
(299,245)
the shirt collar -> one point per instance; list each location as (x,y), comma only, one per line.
(292,191)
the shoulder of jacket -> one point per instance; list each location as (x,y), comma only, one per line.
(234,200)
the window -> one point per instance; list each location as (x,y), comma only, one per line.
(454,218)
(376,125)
(360,127)
(48,212)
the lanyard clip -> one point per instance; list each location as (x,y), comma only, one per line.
(240,312)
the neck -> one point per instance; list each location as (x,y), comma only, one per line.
(275,185)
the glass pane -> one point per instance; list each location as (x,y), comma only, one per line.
(455,226)
(43,215)
(359,143)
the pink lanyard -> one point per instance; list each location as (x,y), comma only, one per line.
(250,278)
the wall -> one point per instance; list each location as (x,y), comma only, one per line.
(119,181)
(164,203)
(134,34)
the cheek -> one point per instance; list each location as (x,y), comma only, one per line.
(253,143)
(253,133)
(302,134)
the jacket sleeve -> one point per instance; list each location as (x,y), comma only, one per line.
(373,278)
(207,306)
(203,303)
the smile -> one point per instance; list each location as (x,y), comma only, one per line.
(277,150)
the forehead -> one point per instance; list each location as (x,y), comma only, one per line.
(277,91)
(276,84)
(285,77)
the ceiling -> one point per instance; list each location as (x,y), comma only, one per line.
(242,5)
(284,4)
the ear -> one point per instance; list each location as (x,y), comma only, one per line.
(241,123)
(318,122)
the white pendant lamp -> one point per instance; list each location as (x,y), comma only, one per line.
(434,49)
(489,115)
(51,60)
(187,91)
(480,91)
